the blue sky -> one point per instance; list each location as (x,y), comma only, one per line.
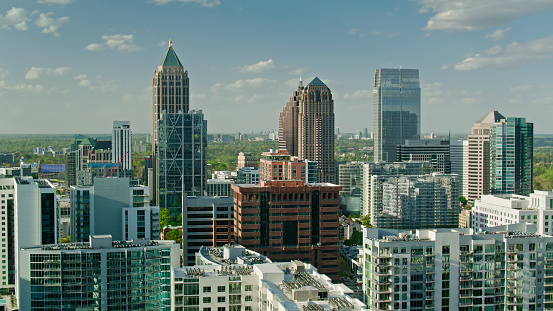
(74,66)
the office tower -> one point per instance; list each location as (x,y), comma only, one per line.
(458,156)
(306,127)
(504,268)
(235,278)
(90,157)
(206,221)
(350,177)
(288,123)
(503,209)
(512,152)
(219,187)
(170,94)
(300,218)
(113,206)
(247,175)
(437,152)
(396,110)
(181,158)
(479,169)
(388,169)
(121,148)
(98,275)
(415,201)
(246,159)
(280,165)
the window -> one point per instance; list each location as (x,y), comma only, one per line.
(221,299)
(221,309)
(248,308)
(248,288)
(207,299)
(249,298)
(220,289)
(207,289)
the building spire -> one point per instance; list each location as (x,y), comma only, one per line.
(170,43)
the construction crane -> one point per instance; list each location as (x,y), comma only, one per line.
(116,165)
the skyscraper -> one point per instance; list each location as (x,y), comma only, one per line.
(170,94)
(306,128)
(479,174)
(181,158)
(512,152)
(397,109)
(121,141)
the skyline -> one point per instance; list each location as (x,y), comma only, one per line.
(65,70)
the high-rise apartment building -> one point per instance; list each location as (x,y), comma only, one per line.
(388,169)
(479,156)
(512,151)
(121,142)
(170,88)
(504,268)
(396,110)
(287,220)
(415,201)
(97,275)
(350,177)
(181,157)
(306,127)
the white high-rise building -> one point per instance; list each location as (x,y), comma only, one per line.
(505,268)
(233,278)
(458,156)
(504,209)
(121,144)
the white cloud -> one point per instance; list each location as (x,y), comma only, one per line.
(438,94)
(60,2)
(50,25)
(39,72)
(384,34)
(122,43)
(239,85)
(297,72)
(360,94)
(497,34)
(512,55)
(261,66)
(204,3)
(26,88)
(15,18)
(521,88)
(471,15)
(353,31)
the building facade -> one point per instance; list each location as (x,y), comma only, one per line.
(181,157)
(507,268)
(459,156)
(350,177)
(113,206)
(512,152)
(287,220)
(415,201)
(503,209)
(396,110)
(387,169)
(206,221)
(246,159)
(479,156)
(121,140)
(436,152)
(99,275)
(280,165)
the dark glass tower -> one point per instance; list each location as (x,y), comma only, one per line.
(397,110)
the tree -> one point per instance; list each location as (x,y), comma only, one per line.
(355,239)
(166,219)
(463,200)
(66,240)
(175,235)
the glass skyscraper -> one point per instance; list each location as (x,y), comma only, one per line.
(181,159)
(397,110)
(512,143)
